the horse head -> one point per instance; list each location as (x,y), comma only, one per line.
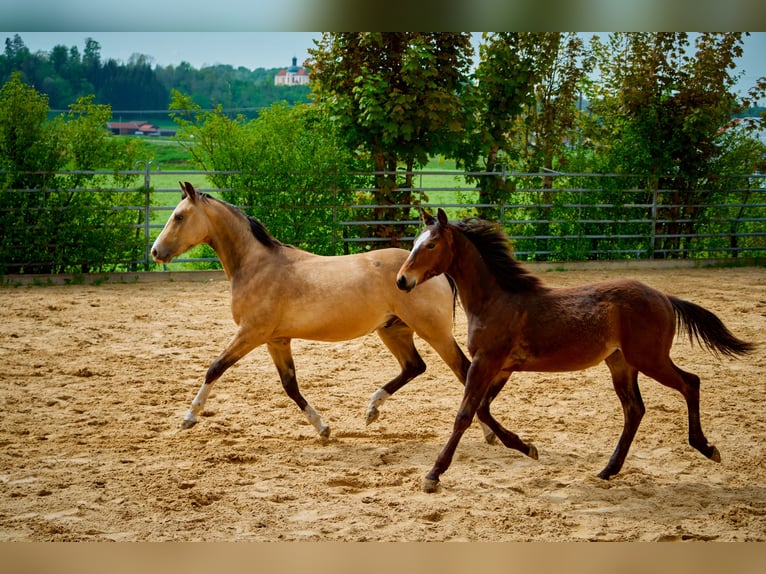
(186,227)
(431,253)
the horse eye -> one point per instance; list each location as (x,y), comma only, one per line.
(178,217)
(431,245)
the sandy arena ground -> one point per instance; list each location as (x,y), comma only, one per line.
(94,382)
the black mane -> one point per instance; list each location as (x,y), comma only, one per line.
(261,233)
(259,229)
(496,250)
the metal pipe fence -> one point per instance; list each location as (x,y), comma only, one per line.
(580,217)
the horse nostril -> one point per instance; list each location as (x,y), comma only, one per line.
(401,282)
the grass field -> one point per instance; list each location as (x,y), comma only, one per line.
(440,183)
(444,185)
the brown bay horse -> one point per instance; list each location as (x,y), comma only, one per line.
(517,323)
(280,293)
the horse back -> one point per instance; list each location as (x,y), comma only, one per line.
(572,328)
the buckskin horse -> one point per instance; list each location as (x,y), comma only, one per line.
(517,323)
(280,293)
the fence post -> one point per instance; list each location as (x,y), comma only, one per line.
(147,206)
(655,200)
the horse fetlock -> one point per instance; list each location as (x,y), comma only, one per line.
(316,420)
(378,398)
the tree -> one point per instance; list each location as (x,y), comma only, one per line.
(398,99)
(524,108)
(547,128)
(659,112)
(27,142)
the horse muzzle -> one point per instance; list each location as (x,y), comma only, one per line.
(160,254)
(405,284)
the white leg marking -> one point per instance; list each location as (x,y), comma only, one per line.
(316,420)
(378,398)
(197,405)
(489,436)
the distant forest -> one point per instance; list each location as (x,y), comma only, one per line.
(139,90)
(135,88)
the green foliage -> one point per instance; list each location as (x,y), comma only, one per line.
(292,170)
(27,142)
(657,109)
(47,229)
(659,112)
(397,98)
(524,106)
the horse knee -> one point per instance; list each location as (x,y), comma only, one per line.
(634,411)
(463,420)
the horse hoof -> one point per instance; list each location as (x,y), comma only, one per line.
(605,474)
(490,438)
(715,455)
(324,432)
(372,415)
(430,484)
(188,423)
(532,452)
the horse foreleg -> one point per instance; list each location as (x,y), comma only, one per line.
(509,439)
(625,381)
(282,356)
(237,348)
(480,374)
(445,345)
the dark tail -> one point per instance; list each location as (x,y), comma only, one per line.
(453,286)
(708,330)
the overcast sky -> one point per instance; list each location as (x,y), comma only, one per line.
(258,49)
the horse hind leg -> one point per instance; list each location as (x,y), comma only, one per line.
(688,384)
(625,381)
(398,338)
(282,356)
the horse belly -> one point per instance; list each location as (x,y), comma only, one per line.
(339,323)
(567,350)
(562,362)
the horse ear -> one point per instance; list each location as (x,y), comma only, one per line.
(187,190)
(441,216)
(428,219)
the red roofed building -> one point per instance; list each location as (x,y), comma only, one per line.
(137,128)
(295,75)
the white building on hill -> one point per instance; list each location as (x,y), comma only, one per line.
(295,75)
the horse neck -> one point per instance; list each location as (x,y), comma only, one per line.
(231,238)
(476,284)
